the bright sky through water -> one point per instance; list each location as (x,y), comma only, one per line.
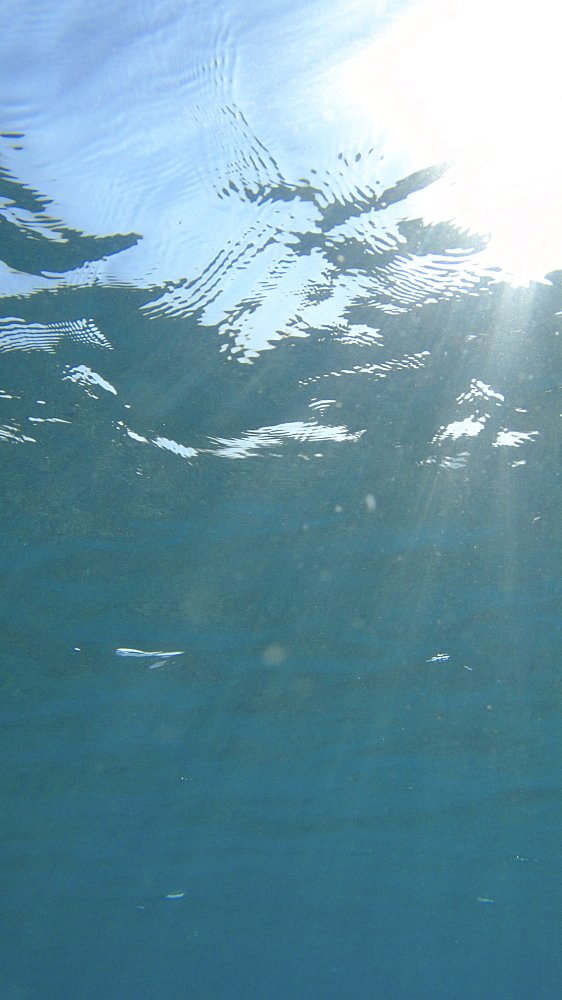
(120,142)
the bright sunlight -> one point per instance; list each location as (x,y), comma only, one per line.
(475,83)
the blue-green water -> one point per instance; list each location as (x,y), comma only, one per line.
(311,448)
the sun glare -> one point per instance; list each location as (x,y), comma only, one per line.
(475,83)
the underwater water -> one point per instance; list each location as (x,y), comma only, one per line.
(280,459)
